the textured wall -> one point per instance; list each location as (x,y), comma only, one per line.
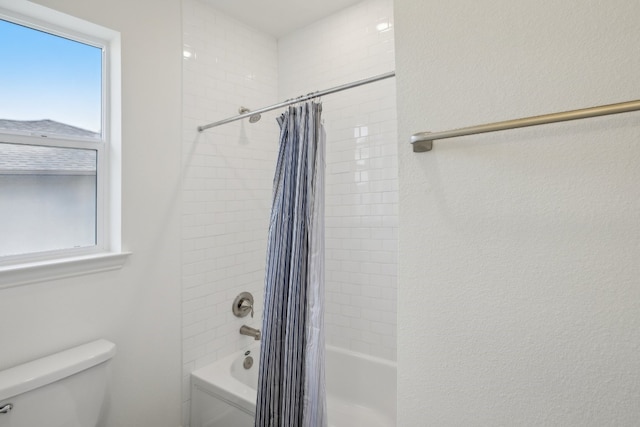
(362,179)
(519,250)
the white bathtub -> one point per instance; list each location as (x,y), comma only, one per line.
(361,391)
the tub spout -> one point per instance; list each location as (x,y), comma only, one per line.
(250,332)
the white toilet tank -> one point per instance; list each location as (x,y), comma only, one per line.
(66,389)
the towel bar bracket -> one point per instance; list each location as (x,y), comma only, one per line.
(422,146)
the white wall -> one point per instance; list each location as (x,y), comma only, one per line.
(518,250)
(228,173)
(137,307)
(362,176)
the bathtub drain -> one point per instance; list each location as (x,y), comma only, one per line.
(248,362)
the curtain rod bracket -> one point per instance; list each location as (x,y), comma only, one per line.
(422,145)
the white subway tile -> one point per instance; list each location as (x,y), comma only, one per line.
(228,173)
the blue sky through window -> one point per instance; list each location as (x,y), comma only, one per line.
(43,76)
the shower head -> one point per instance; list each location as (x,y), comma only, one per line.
(253,118)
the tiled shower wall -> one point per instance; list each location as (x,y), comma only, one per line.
(228,172)
(227,175)
(362,176)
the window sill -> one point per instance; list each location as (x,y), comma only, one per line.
(22,274)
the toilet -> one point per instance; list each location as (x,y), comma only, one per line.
(66,389)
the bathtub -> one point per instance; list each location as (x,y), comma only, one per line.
(361,390)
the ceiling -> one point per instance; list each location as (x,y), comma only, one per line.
(279,17)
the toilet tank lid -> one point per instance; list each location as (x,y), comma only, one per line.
(37,373)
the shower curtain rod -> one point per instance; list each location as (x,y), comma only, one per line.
(300,99)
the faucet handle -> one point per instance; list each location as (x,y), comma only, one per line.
(243,305)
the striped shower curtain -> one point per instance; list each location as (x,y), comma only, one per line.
(291,386)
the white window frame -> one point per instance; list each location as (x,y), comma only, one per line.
(107,253)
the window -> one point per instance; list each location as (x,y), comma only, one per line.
(55,139)
(47,199)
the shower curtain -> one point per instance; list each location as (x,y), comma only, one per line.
(291,384)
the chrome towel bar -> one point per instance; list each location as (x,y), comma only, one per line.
(423,141)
